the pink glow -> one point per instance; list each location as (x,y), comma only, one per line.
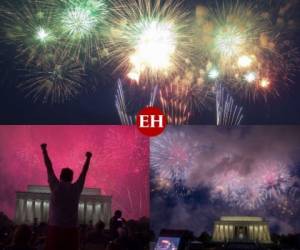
(119,165)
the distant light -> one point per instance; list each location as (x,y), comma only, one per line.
(79,22)
(134,75)
(213,74)
(244,61)
(229,41)
(264,83)
(156,46)
(250,77)
(42,35)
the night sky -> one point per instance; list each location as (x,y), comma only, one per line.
(95,104)
(119,166)
(200,173)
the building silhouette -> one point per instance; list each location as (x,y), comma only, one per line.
(34,204)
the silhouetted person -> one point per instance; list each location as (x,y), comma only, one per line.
(122,241)
(97,238)
(115,222)
(63,232)
(90,226)
(21,238)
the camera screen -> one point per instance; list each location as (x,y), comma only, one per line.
(167,243)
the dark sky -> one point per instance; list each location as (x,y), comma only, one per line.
(96,105)
(199,173)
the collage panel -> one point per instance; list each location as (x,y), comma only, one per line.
(222,62)
(214,188)
(114,187)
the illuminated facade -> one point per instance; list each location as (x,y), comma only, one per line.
(241,228)
(34,203)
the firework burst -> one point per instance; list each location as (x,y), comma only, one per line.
(83,27)
(149,39)
(251,191)
(185,94)
(275,180)
(245,47)
(57,81)
(173,100)
(30,26)
(224,189)
(171,158)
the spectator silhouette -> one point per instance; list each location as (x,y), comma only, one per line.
(63,232)
(122,241)
(115,222)
(97,239)
(21,238)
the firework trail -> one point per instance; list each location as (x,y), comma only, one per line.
(228,114)
(173,100)
(120,104)
(133,151)
(153,96)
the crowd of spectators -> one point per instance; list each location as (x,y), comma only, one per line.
(119,235)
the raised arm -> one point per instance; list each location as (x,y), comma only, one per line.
(84,170)
(51,175)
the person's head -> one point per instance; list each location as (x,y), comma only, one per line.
(22,235)
(66,175)
(118,213)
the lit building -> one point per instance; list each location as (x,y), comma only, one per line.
(34,203)
(241,228)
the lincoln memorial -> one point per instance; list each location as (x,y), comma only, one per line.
(241,228)
(34,203)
